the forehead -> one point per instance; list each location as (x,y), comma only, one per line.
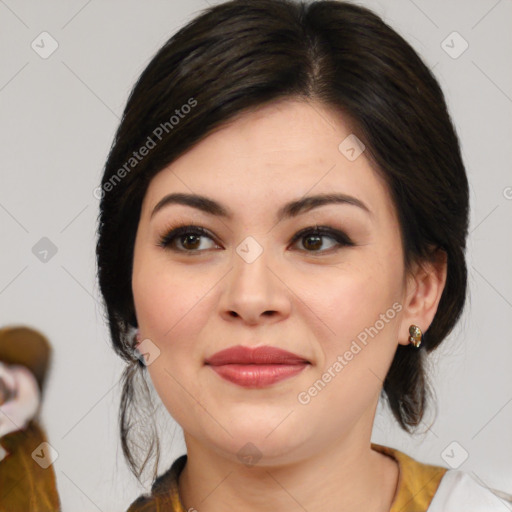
(276,153)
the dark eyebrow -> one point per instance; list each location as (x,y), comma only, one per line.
(290,209)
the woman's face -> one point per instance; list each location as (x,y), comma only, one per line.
(335,298)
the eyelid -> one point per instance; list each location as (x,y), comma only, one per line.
(173,232)
(336,234)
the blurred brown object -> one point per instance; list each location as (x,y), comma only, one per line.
(6,393)
(25,484)
(27,347)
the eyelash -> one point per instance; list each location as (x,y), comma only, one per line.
(174,233)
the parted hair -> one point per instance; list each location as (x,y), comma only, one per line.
(242,54)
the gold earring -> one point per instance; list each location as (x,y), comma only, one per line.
(415,335)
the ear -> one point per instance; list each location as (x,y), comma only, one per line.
(424,287)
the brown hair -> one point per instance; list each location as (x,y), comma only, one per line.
(242,54)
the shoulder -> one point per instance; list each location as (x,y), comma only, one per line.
(164,492)
(417,481)
(429,488)
(460,489)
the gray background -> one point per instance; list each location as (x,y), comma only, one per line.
(58,117)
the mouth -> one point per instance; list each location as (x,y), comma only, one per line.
(256,367)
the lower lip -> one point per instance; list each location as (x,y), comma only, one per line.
(256,375)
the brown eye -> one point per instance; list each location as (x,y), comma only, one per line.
(313,239)
(191,241)
(185,239)
(313,242)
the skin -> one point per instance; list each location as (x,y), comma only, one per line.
(310,298)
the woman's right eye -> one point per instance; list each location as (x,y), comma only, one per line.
(188,237)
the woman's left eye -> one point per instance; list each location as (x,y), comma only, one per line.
(189,238)
(312,238)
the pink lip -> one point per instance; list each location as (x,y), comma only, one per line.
(256,367)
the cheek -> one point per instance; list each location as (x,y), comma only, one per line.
(170,303)
(165,296)
(353,298)
(360,312)
(173,304)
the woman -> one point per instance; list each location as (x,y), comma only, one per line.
(282,230)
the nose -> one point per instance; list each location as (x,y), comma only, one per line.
(255,291)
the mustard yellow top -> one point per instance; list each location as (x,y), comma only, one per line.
(417,485)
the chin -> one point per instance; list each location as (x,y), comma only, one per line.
(259,443)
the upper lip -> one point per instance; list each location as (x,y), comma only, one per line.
(254,355)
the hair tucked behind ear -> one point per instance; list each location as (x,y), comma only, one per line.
(242,54)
